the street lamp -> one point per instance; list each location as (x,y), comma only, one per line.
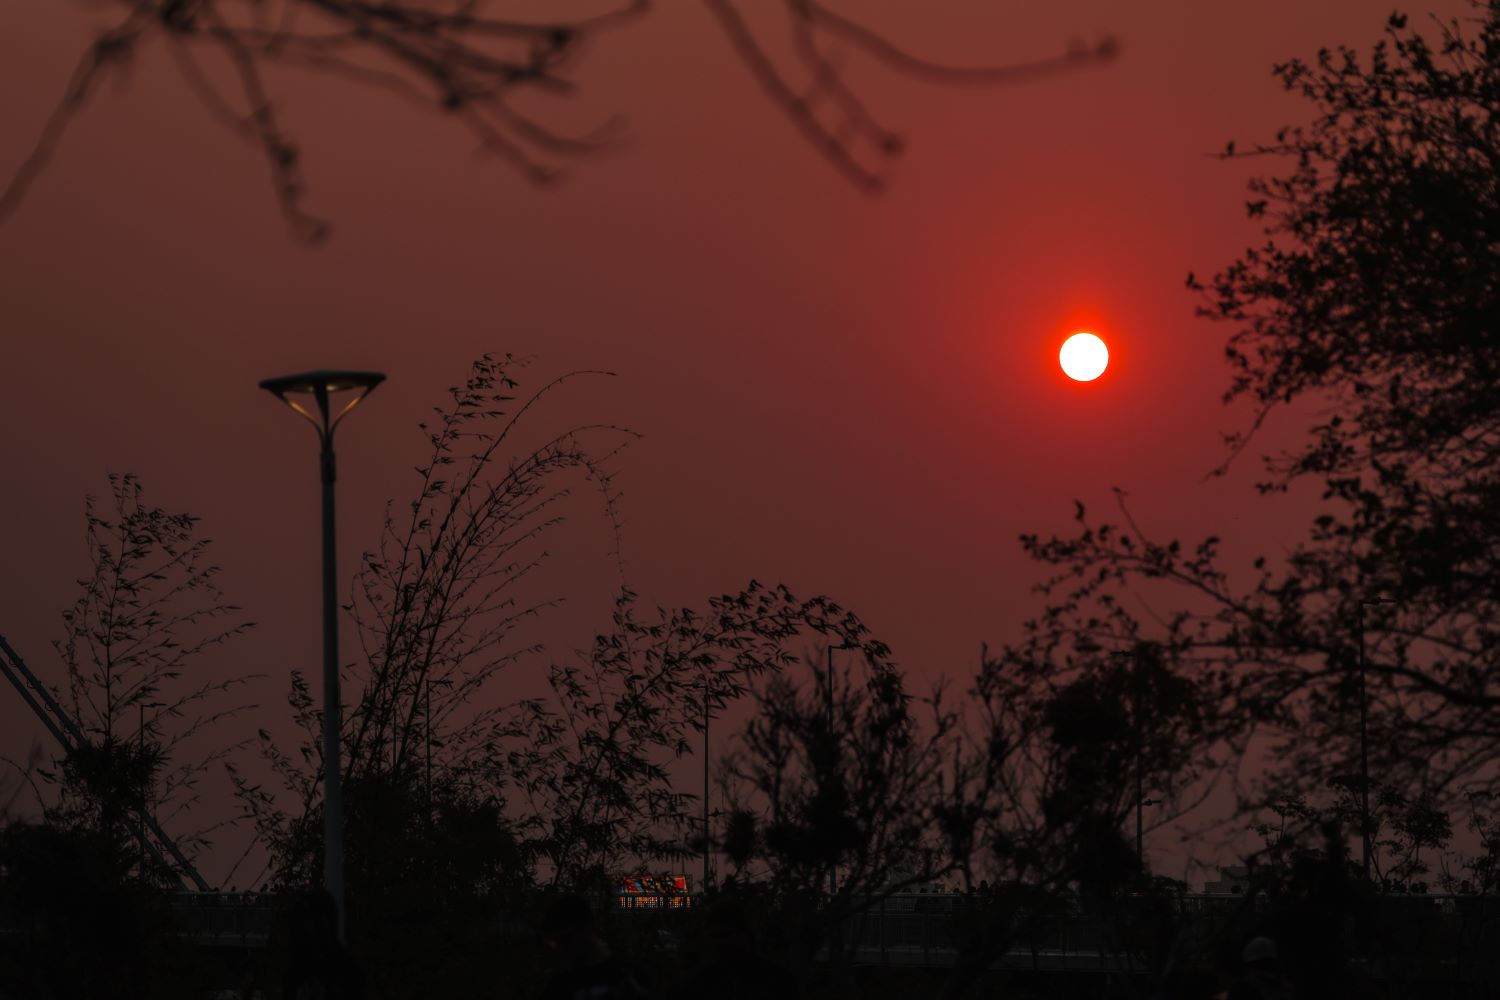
(707,871)
(1364,750)
(294,391)
(833,871)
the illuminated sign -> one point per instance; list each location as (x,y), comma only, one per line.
(653,892)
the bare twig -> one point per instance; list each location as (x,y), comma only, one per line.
(459,61)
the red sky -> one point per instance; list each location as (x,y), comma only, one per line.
(854,395)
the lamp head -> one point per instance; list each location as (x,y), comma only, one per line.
(324,380)
(320,385)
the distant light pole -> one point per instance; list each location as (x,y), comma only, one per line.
(291,390)
(1140,785)
(1139,720)
(1364,749)
(706,870)
(140,822)
(833,870)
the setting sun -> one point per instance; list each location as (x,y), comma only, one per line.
(1083,357)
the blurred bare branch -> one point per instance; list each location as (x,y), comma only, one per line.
(452,56)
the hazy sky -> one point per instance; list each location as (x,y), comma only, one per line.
(854,395)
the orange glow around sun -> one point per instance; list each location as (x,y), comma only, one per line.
(1083,357)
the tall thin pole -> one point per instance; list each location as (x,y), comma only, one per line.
(1364,750)
(706,872)
(428,714)
(140,818)
(833,868)
(320,385)
(333,799)
(1137,679)
(1140,771)
(1140,797)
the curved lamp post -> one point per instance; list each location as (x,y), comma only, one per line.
(297,391)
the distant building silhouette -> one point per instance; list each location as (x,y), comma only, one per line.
(1234,880)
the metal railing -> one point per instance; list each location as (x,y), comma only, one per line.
(225,919)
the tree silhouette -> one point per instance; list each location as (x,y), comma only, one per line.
(1371,310)
(1062,740)
(840,795)
(592,759)
(134,649)
(1402,828)
(80,900)
(1024,784)
(488,71)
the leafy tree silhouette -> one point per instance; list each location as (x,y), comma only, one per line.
(1402,828)
(1370,311)
(80,902)
(839,797)
(1061,741)
(1024,785)
(593,764)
